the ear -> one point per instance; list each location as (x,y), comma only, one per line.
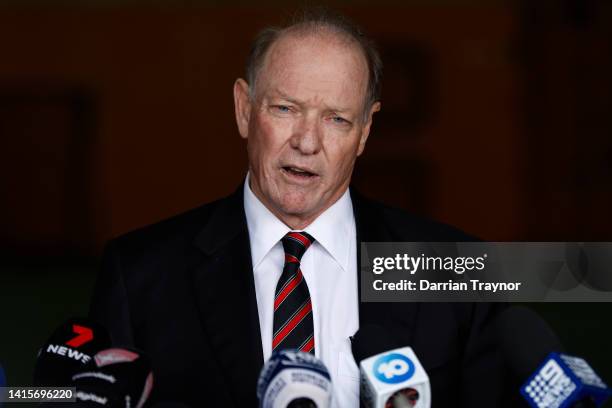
(365,131)
(242,106)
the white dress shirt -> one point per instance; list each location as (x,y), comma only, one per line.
(330,269)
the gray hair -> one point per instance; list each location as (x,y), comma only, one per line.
(314,22)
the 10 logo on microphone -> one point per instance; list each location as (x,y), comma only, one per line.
(393,368)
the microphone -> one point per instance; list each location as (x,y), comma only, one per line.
(70,347)
(391,376)
(294,379)
(531,350)
(116,377)
(565,381)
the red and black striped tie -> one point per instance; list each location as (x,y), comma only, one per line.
(293,326)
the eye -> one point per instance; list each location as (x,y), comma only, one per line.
(338,120)
(281,108)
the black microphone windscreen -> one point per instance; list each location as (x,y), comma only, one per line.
(115,376)
(71,346)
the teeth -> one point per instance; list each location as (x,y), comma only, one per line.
(297,170)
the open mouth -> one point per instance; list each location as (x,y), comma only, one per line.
(295,171)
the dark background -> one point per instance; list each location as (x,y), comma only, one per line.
(113,115)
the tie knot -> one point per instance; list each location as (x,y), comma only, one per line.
(295,244)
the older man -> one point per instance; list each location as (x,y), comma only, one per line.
(209,294)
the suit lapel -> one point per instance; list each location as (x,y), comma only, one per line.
(225,292)
(372,226)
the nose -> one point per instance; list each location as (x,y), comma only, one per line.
(307,135)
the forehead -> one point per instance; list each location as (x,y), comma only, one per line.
(315,67)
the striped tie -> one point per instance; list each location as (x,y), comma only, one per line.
(293,327)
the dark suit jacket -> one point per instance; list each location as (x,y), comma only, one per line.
(183,292)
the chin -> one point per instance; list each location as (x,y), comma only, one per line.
(296,205)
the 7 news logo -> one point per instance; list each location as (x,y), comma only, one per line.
(83,336)
(393,368)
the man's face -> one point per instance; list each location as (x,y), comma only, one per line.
(305,125)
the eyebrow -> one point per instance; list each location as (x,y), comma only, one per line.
(282,95)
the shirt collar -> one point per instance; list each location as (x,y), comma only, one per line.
(333,229)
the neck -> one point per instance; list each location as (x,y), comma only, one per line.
(295,222)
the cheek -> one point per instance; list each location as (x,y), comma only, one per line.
(342,157)
(267,141)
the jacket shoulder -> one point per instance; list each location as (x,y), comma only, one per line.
(401,225)
(176,231)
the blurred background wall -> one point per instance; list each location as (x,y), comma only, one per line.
(113,115)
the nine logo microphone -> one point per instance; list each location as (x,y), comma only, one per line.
(565,381)
(554,380)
